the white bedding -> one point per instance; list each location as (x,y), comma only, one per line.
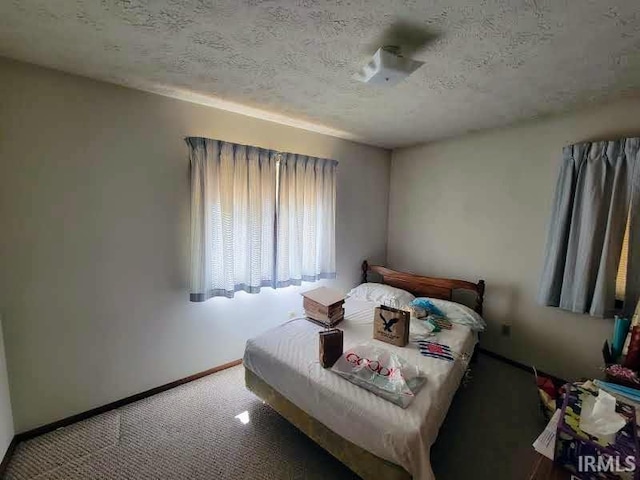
(286,358)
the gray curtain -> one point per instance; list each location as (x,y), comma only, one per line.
(598,183)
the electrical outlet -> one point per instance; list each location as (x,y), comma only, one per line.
(506,330)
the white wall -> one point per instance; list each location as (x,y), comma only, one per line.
(94,208)
(6,416)
(478,206)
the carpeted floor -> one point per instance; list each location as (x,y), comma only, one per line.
(192,432)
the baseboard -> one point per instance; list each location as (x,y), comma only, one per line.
(139,396)
(7,455)
(514,363)
(65,422)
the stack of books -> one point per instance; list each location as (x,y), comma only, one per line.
(324,306)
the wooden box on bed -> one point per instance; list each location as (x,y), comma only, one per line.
(324,306)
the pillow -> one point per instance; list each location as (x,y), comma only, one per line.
(382,294)
(458,313)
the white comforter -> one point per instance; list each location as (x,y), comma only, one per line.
(286,358)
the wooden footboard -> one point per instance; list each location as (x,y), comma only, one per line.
(363,463)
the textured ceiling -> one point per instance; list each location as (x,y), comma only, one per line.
(490,63)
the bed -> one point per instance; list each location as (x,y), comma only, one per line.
(373,437)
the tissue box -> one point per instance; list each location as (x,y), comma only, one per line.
(589,458)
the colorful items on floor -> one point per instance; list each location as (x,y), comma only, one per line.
(622,375)
(622,359)
(573,444)
(550,392)
(631,393)
(620,329)
(632,359)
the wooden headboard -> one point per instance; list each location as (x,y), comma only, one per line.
(425,286)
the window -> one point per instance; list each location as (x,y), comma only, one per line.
(621,278)
(305,230)
(258,218)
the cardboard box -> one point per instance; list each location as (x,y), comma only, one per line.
(324,296)
(391,325)
(324,306)
(337,317)
(317,310)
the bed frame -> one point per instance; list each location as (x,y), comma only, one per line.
(421,286)
(365,464)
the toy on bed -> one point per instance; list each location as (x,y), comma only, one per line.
(441,314)
(428,306)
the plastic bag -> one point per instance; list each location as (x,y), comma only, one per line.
(381,372)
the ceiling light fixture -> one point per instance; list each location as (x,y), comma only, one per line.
(387,67)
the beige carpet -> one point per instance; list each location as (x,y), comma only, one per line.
(191,432)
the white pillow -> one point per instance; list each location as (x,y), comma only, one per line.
(382,294)
(460,314)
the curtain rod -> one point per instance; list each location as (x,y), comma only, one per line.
(277,152)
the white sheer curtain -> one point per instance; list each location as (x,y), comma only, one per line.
(305,220)
(233,202)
